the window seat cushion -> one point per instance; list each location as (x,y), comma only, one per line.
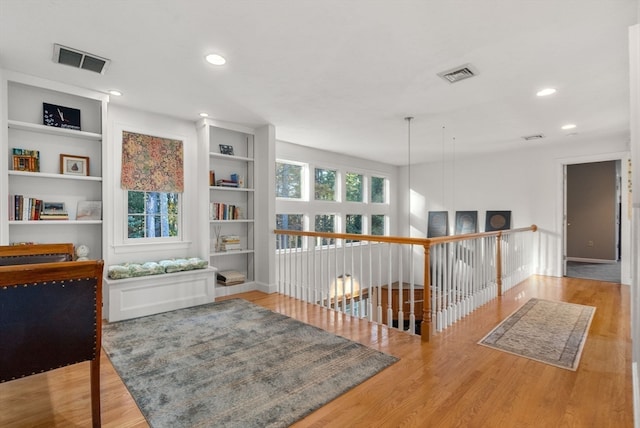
(132,270)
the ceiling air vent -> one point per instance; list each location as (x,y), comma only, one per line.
(79,59)
(533,137)
(459,73)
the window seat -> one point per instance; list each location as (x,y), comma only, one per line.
(138,296)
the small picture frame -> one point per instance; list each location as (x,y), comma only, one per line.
(497,220)
(53,207)
(24,163)
(226,149)
(466,222)
(26,160)
(89,210)
(438,224)
(61,117)
(74,165)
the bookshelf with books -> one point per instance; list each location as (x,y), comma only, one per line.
(50,165)
(230,207)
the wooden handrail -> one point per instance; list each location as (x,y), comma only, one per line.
(426,243)
(401,239)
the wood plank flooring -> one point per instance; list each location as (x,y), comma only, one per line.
(449,382)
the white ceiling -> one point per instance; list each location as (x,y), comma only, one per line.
(341,75)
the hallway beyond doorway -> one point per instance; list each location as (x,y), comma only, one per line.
(609,272)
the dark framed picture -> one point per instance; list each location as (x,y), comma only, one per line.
(438,224)
(61,117)
(74,165)
(497,220)
(466,222)
(226,149)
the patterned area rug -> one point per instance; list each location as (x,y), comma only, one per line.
(546,331)
(233,364)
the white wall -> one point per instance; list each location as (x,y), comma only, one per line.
(527,182)
(120,119)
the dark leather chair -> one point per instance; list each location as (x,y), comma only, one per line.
(51,317)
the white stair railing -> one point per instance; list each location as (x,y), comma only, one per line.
(382,278)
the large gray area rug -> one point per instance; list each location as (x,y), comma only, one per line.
(546,331)
(233,364)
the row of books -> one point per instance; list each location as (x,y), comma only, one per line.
(221,211)
(24,208)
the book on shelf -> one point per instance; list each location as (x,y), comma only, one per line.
(222,211)
(226,183)
(230,277)
(54,217)
(22,208)
(212,178)
(230,243)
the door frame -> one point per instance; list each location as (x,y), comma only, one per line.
(625,221)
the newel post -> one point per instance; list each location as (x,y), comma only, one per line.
(499,262)
(425,326)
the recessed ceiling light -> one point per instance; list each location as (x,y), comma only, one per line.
(568,126)
(115,92)
(204,114)
(215,59)
(546,91)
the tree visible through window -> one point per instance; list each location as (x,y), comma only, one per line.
(377,224)
(354,225)
(377,189)
(152,214)
(289,222)
(288,180)
(325,223)
(354,187)
(325,184)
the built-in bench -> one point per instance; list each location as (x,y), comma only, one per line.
(136,296)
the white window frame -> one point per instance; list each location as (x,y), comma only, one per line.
(304,192)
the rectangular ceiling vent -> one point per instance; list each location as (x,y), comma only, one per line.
(79,59)
(533,137)
(459,73)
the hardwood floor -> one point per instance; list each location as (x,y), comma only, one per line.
(449,382)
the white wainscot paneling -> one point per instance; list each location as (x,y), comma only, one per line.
(147,295)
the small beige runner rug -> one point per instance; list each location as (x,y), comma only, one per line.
(546,331)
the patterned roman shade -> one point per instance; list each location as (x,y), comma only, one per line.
(151,164)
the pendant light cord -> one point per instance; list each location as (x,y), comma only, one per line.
(409,119)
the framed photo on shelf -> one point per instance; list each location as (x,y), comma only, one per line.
(24,163)
(497,220)
(74,165)
(53,207)
(89,210)
(60,117)
(438,224)
(226,149)
(466,222)
(26,160)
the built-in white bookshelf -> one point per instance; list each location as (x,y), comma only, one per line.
(24,129)
(230,210)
